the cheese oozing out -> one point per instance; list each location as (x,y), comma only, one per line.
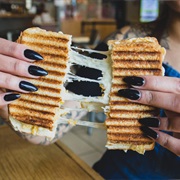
(104,82)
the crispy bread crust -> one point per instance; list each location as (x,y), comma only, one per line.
(131,57)
(42,108)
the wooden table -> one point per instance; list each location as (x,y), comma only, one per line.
(22,160)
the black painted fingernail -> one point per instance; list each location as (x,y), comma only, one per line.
(30,54)
(11,97)
(26,86)
(130,94)
(37,71)
(133,80)
(149,132)
(150,121)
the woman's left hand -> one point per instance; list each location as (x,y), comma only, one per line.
(161,92)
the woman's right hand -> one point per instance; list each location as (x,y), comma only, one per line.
(16,64)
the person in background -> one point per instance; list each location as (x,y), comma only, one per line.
(164,161)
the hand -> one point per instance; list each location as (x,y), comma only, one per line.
(161,92)
(16,65)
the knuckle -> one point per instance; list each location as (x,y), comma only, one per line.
(16,66)
(165,142)
(149,97)
(175,103)
(13,49)
(155,82)
(177,86)
(8,79)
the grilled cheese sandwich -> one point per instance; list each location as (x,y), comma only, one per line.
(38,112)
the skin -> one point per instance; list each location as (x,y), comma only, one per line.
(164,92)
(13,64)
(13,69)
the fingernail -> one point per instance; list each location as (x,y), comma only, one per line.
(133,80)
(26,86)
(37,71)
(30,54)
(130,94)
(149,132)
(11,97)
(151,122)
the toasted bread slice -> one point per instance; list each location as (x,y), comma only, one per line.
(38,112)
(132,57)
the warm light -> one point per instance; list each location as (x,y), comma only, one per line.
(28,4)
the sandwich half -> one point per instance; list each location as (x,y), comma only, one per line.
(37,112)
(131,57)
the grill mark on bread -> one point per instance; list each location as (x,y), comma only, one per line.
(56,47)
(136,71)
(134,57)
(133,142)
(135,53)
(124,129)
(55,73)
(31,110)
(148,64)
(49,89)
(30,102)
(54,57)
(41,123)
(42,107)
(49,37)
(129,139)
(54,65)
(50,81)
(42,98)
(121,105)
(121,122)
(35,106)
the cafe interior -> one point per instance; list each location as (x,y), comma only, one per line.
(89,22)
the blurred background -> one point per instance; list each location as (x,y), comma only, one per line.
(80,18)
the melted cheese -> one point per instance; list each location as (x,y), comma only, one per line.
(103,65)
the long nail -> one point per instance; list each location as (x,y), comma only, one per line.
(26,86)
(150,121)
(149,132)
(11,97)
(130,94)
(30,54)
(133,80)
(37,71)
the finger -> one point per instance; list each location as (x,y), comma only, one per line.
(165,140)
(20,68)
(171,114)
(169,142)
(7,98)
(166,124)
(158,99)
(18,51)
(11,82)
(162,100)
(155,83)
